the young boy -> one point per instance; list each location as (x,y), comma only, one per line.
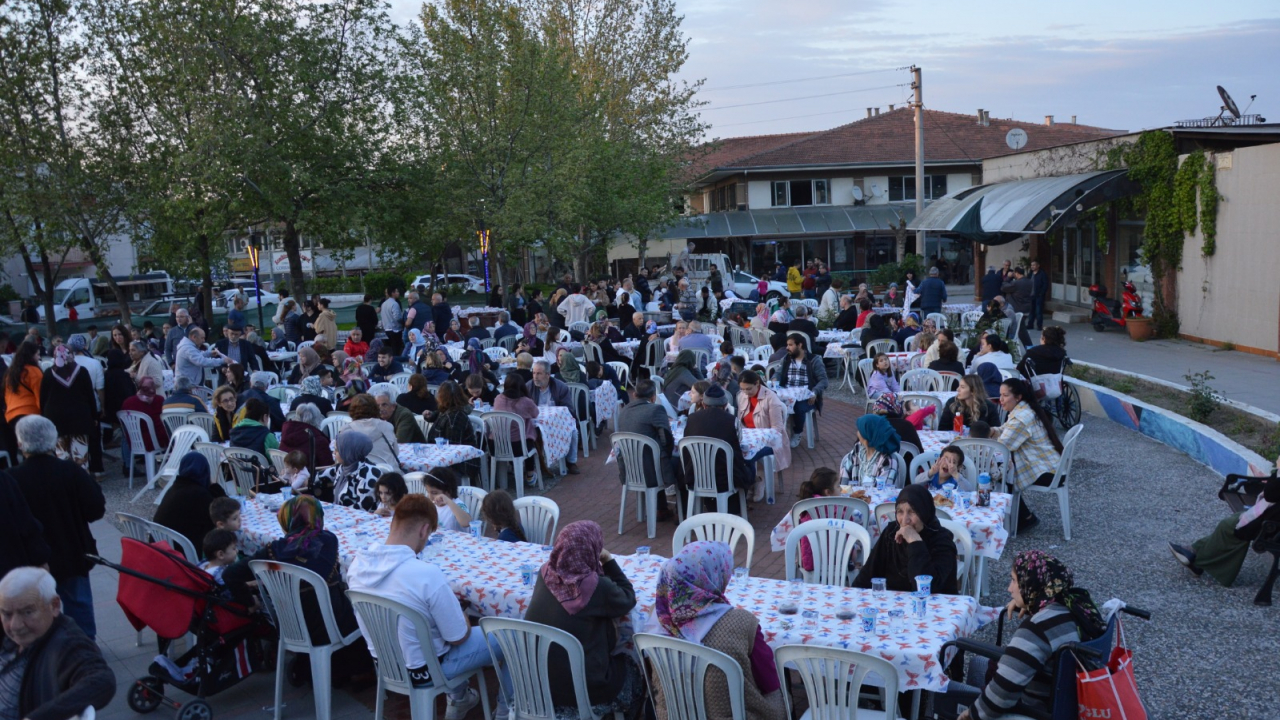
(225,513)
(220,550)
(949,467)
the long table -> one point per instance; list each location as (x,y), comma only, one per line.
(487,574)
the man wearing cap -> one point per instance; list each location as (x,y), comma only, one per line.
(932,292)
(234,346)
(715,421)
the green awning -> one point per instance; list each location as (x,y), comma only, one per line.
(790,222)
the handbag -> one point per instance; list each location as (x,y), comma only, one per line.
(1047,386)
(1110,691)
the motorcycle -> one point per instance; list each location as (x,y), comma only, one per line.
(1129,305)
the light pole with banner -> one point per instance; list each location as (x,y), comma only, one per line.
(255,252)
(483,235)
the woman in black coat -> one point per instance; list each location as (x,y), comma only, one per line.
(185,508)
(914,544)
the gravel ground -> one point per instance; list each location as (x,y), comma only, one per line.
(1119,549)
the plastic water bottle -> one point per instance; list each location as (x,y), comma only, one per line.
(984,490)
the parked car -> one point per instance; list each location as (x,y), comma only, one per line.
(472,283)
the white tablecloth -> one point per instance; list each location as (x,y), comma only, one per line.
(421,457)
(606,399)
(559,432)
(791,395)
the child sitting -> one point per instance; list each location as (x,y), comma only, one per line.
(296,472)
(824,482)
(220,550)
(391,489)
(980,430)
(949,467)
(499,511)
(225,513)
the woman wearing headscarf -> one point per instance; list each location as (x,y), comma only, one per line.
(353,481)
(308,365)
(375,346)
(474,362)
(149,403)
(312,392)
(888,407)
(414,347)
(67,398)
(761,318)
(529,342)
(690,604)
(874,456)
(570,370)
(367,420)
(915,543)
(185,507)
(603,335)
(680,376)
(1056,614)
(454,333)
(584,592)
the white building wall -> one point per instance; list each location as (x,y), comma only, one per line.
(875,189)
(842,191)
(958,181)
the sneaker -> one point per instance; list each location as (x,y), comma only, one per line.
(1185,556)
(573,469)
(795,441)
(1029,523)
(458,709)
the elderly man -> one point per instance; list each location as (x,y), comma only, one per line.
(258,384)
(441,314)
(696,339)
(476,332)
(182,399)
(848,318)
(933,293)
(192,358)
(65,500)
(504,327)
(404,422)
(687,302)
(177,333)
(145,364)
(635,330)
(49,668)
(546,391)
(802,324)
(234,346)
(645,417)
(418,312)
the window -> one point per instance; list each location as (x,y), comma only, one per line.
(724,198)
(801,193)
(731,197)
(904,187)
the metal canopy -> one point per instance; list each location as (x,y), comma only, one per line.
(1003,212)
(822,220)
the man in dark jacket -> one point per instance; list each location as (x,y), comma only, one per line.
(932,292)
(234,346)
(545,390)
(1019,291)
(404,422)
(441,314)
(802,324)
(476,332)
(715,421)
(65,500)
(848,318)
(22,540)
(258,383)
(1039,293)
(504,327)
(802,369)
(49,669)
(645,417)
(991,284)
(367,318)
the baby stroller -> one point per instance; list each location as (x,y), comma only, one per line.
(160,590)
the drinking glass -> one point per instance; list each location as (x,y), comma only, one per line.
(877,585)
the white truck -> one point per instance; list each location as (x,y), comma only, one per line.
(698,268)
(92,297)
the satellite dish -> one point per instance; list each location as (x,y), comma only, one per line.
(1016,138)
(1227,103)
(857,194)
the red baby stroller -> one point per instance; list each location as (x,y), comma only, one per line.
(160,590)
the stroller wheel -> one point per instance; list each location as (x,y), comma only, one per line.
(145,695)
(195,710)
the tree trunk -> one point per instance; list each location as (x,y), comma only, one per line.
(50,317)
(297,281)
(95,256)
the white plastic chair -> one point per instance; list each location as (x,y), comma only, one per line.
(989,456)
(939,319)
(241,462)
(950,380)
(919,401)
(182,440)
(415,483)
(498,426)
(525,650)
(681,667)
(508,343)
(381,620)
(472,497)
(969,320)
(836,508)
(833,543)
(139,427)
(400,381)
(281,583)
(923,461)
(591,351)
(277,460)
(702,452)
(833,680)
(878,347)
(174,419)
(761,354)
(147,531)
(885,513)
(716,527)
(539,517)
(497,353)
(622,370)
(966,559)
(423,424)
(580,396)
(284,393)
(1058,486)
(384,388)
(334,424)
(205,421)
(920,380)
(580,326)
(635,453)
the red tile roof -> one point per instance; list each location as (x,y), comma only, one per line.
(725,151)
(890,138)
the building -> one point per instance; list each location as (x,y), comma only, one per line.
(838,195)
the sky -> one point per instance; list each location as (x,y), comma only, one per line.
(1123,64)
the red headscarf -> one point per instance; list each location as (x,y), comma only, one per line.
(574,568)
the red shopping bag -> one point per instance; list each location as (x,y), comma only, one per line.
(1110,692)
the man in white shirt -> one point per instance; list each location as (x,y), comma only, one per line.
(394,571)
(576,308)
(191,358)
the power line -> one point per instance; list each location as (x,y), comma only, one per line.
(807,79)
(791,117)
(805,97)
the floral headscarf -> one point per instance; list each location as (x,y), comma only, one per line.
(311,385)
(302,519)
(1042,579)
(887,404)
(573,570)
(690,597)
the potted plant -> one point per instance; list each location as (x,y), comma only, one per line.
(1140,328)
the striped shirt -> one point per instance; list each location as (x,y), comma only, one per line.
(1021,676)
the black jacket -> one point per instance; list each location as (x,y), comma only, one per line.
(367,320)
(250,437)
(805,326)
(65,500)
(848,318)
(719,424)
(322,404)
(185,510)
(65,674)
(1018,291)
(277,414)
(991,283)
(22,540)
(1043,359)
(252,357)
(990,415)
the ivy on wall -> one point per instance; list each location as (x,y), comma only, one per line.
(1209,198)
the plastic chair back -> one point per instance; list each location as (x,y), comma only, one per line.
(865,367)
(835,508)
(622,370)
(498,426)
(146,531)
(526,650)
(334,424)
(284,393)
(282,584)
(473,498)
(966,560)
(380,622)
(242,462)
(182,440)
(416,483)
(384,388)
(1067,457)
(877,347)
(400,381)
(762,354)
(138,426)
(988,456)
(636,454)
(539,517)
(716,527)
(277,460)
(681,667)
(580,326)
(833,543)
(591,351)
(922,462)
(920,380)
(885,513)
(174,419)
(497,353)
(205,421)
(702,453)
(508,343)
(950,380)
(833,680)
(213,452)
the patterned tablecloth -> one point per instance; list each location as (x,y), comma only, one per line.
(627,348)
(606,399)
(935,440)
(960,308)
(559,432)
(790,395)
(986,524)
(464,312)
(833,336)
(421,457)
(487,573)
(286,356)
(901,361)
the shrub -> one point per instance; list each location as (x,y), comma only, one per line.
(1204,399)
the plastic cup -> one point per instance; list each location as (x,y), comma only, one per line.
(740,578)
(477,528)
(528,573)
(919,604)
(441,441)
(286,493)
(868,616)
(924,584)
(642,551)
(877,585)
(897,618)
(810,620)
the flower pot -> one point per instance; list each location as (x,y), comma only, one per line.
(1140,328)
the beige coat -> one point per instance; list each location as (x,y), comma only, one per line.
(327,325)
(769,414)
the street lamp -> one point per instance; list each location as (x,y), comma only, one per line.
(483,235)
(255,249)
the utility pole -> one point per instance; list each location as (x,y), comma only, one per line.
(919,106)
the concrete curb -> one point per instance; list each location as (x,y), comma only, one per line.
(1198,441)
(1243,407)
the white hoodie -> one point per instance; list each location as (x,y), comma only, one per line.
(394,572)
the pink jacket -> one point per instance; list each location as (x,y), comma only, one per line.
(769,414)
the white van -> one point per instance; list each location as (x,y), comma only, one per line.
(94,298)
(698,268)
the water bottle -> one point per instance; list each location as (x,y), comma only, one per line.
(984,490)
(958,424)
